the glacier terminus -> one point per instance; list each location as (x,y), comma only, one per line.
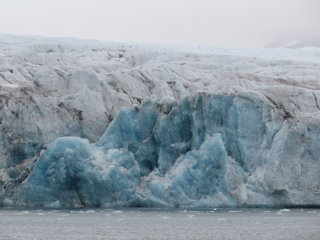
(86,123)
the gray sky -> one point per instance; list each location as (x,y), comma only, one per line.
(246,23)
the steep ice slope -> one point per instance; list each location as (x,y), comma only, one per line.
(208,150)
(52,88)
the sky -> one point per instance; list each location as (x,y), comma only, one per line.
(231,23)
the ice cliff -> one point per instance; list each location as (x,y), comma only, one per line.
(85,123)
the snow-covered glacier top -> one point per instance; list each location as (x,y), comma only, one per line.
(255,111)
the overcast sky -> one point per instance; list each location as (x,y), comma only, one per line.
(246,23)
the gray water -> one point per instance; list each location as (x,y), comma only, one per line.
(160,224)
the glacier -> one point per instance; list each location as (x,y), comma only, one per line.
(85,123)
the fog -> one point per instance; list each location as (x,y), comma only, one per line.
(239,23)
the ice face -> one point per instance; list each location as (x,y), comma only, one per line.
(75,173)
(207,150)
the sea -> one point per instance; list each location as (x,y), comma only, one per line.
(146,223)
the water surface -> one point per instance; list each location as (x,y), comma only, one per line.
(139,224)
